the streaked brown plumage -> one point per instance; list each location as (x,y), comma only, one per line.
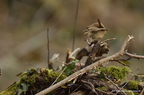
(96,31)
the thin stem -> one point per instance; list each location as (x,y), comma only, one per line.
(58,76)
(48,50)
(75,25)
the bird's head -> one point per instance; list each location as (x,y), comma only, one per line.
(98,26)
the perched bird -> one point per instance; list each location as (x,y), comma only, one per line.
(96,31)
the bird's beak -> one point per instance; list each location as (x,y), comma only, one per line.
(85,31)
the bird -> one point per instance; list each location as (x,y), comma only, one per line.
(95,31)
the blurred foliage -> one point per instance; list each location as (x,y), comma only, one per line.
(23,25)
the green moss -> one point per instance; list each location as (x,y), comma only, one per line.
(54,75)
(24,77)
(28,79)
(119,73)
(33,80)
(128,92)
(10,90)
(132,85)
(102,88)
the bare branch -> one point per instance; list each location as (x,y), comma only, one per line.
(87,68)
(135,56)
(74,52)
(126,42)
(108,40)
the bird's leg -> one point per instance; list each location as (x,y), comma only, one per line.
(89,43)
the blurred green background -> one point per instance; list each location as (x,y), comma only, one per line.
(23,35)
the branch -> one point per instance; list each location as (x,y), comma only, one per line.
(87,68)
(108,40)
(127,40)
(135,56)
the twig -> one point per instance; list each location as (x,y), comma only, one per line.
(108,40)
(135,56)
(58,76)
(126,42)
(74,52)
(142,92)
(91,86)
(76,89)
(126,83)
(0,72)
(75,25)
(87,68)
(115,84)
(48,50)
(95,90)
(88,42)
(119,61)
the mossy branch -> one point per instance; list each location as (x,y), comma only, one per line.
(121,52)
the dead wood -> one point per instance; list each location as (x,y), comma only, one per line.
(121,52)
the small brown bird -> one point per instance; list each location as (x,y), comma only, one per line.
(96,31)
